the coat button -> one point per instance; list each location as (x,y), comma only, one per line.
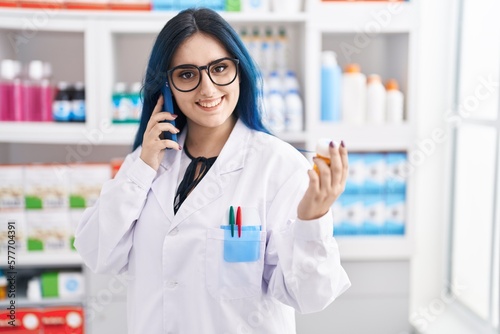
(172,284)
(174,231)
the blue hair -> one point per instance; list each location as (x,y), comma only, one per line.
(177,30)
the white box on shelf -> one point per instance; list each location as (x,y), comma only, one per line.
(46,187)
(48,230)
(85,183)
(11,187)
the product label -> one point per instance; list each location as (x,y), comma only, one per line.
(78,110)
(61,111)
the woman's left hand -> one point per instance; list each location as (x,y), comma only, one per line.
(326,187)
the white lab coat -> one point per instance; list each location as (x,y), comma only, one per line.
(180,282)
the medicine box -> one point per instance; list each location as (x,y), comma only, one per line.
(13,231)
(85,183)
(46,186)
(48,230)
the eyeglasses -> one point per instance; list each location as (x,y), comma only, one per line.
(222,72)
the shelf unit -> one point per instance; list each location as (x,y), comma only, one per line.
(382,36)
(46,259)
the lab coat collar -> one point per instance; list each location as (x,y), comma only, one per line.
(230,159)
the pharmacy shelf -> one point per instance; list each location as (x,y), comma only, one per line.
(79,133)
(43,132)
(367,137)
(10,16)
(45,259)
(367,248)
(370,18)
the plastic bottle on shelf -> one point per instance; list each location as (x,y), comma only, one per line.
(281,50)
(323,151)
(255,46)
(375,100)
(122,106)
(267,51)
(61,107)
(33,92)
(395,102)
(136,100)
(18,93)
(7,101)
(290,81)
(331,80)
(353,95)
(78,111)
(245,38)
(274,82)
(47,94)
(275,111)
(294,111)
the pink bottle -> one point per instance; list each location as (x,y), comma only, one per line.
(47,94)
(7,101)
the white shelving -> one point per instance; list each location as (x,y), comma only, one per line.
(103,47)
(46,259)
(115,45)
(47,302)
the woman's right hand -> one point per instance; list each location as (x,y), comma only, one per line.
(153,146)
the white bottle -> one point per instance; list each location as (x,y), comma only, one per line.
(290,81)
(395,102)
(275,109)
(255,46)
(267,51)
(281,50)
(34,291)
(353,100)
(274,82)
(375,100)
(294,111)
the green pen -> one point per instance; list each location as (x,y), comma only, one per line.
(231,220)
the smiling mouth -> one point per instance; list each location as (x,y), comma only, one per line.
(210,104)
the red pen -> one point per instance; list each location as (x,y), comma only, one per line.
(238,221)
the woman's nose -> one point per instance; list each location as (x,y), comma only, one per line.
(207,87)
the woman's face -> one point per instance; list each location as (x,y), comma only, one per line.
(209,105)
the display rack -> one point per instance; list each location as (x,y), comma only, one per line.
(113,46)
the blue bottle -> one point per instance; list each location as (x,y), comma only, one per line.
(331,79)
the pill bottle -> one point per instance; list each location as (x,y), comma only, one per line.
(322,151)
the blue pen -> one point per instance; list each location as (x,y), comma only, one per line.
(231,220)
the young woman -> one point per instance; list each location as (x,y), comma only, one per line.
(228,230)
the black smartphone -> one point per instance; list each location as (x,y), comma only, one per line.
(168,106)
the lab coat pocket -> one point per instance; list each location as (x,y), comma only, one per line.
(234,266)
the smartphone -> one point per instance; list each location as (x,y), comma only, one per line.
(168,106)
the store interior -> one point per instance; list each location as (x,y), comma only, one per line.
(411,87)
